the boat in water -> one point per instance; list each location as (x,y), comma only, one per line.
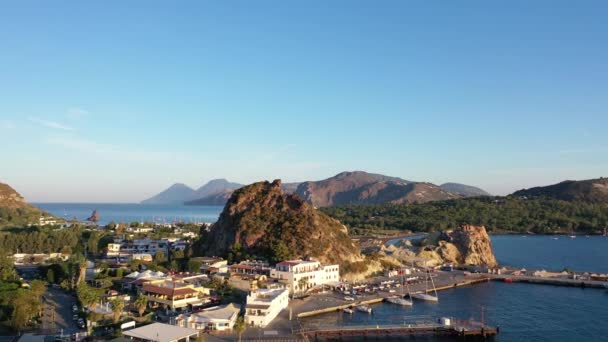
(348,311)
(399,301)
(364,308)
(425,295)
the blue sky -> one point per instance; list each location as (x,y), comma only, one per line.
(113,101)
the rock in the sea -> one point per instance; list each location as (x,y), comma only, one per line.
(466,245)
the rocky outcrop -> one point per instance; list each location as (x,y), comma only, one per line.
(94,217)
(466,245)
(261,221)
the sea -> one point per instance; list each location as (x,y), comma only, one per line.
(132,212)
(524,312)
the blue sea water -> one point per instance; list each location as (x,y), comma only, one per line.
(131,212)
(524,312)
(552,252)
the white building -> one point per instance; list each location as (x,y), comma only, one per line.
(137,246)
(159,332)
(45,221)
(217,318)
(264,305)
(300,275)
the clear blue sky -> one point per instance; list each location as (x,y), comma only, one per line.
(115,100)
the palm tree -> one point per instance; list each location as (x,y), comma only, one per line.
(302,284)
(239,326)
(117,306)
(140,303)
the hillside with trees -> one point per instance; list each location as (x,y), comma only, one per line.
(498,214)
(15,211)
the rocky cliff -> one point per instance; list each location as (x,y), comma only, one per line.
(466,245)
(260,220)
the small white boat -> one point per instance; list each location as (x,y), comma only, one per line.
(364,308)
(349,298)
(348,311)
(554,238)
(573,236)
(425,296)
(399,301)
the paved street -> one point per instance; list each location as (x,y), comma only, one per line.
(58,312)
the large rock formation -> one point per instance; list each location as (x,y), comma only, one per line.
(466,245)
(260,220)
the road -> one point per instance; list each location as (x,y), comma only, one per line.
(58,312)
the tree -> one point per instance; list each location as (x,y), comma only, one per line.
(117,305)
(7,270)
(37,287)
(25,306)
(160,257)
(177,254)
(140,303)
(239,326)
(87,295)
(93,242)
(194,266)
(302,282)
(50,276)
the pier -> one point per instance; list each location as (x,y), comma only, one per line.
(455,328)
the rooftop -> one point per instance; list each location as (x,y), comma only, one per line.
(160,332)
(216,313)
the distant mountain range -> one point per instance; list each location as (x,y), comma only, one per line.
(464,190)
(346,188)
(179,193)
(590,190)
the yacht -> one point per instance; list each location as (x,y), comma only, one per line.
(425,295)
(364,308)
(399,301)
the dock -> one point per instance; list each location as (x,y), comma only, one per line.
(456,328)
(548,281)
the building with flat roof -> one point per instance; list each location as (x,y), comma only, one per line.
(174,295)
(160,332)
(264,305)
(217,318)
(301,275)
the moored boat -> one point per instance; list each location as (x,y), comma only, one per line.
(364,308)
(348,311)
(399,301)
(425,296)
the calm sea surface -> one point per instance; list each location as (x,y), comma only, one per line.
(524,312)
(133,212)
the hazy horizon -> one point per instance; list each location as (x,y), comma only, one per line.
(115,103)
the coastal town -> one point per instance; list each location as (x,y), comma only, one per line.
(140,286)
